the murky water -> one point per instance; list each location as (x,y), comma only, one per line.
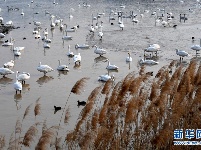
(54,88)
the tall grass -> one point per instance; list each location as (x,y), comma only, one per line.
(139,112)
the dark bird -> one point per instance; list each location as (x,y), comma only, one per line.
(83,103)
(56,109)
(24,38)
(174,26)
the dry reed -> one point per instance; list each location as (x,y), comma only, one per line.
(26,111)
(45,139)
(2,142)
(29,135)
(76,89)
(67,115)
(37,107)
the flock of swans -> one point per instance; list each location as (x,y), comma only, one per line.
(56,21)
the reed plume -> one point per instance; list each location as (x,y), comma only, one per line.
(29,135)
(107,87)
(37,107)
(26,111)
(142,70)
(2,142)
(67,115)
(18,127)
(46,138)
(76,89)
(94,121)
(44,127)
(154,91)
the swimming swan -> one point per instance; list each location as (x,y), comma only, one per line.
(69,54)
(77,58)
(129,58)
(62,67)
(99,51)
(9,64)
(148,62)
(111,67)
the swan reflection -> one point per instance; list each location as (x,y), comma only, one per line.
(44,79)
(76,66)
(17,99)
(5,80)
(25,87)
(62,72)
(100,58)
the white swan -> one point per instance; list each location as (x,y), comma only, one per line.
(91,28)
(62,67)
(77,58)
(23,76)
(148,62)
(111,67)
(9,64)
(22,13)
(44,68)
(99,51)
(18,48)
(67,37)
(73,29)
(121,24)
(70,54)
(17,85)
(7,43)
(196,48)
(83,46)
(182,54)
(52,24)
(129,58)
(37,23)
(5,71)
(152,48)
(2,35)
(100,33)
(45,32)
(17,53)
(38,36)
(46,45)
(9,23)
(105,77)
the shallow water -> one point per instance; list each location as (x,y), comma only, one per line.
(54,88)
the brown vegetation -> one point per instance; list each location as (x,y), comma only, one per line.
(139,112)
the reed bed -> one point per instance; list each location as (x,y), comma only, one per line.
(139,112)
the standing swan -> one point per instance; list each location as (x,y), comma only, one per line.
(17,85)
(129,58)
(5,71)
(62,67)
(23,76)
(44,68)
